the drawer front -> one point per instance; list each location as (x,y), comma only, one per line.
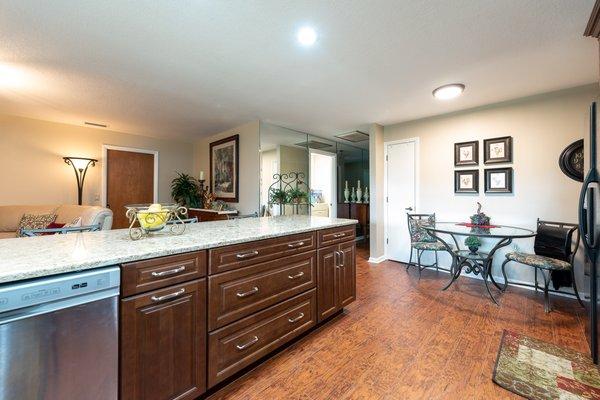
(327,237)
(141,276)
(236,346)
(242,255)
(235,294)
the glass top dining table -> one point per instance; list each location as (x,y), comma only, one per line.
(476,262)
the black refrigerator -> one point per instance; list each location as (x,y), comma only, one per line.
(589,226)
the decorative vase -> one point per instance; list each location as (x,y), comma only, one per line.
(353,198)
(473,249)
(347,194)
(366,194)
(358,193)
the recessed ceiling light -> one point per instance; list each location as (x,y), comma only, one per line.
(306,36)
(448,92)
(11,77)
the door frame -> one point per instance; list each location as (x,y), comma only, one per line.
(334,193)
(386,145)
(106,147)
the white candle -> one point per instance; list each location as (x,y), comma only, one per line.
(201,175)
(346,184)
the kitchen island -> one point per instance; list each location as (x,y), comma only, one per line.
(197,308)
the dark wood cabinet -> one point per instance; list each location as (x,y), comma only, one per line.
(359,212)
(163,343)
(336,278)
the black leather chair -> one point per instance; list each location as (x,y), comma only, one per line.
(554,256)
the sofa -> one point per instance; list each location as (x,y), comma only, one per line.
(10,216)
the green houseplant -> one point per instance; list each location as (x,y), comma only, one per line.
(278,196)
(297,196)
(473,243)
(185,190)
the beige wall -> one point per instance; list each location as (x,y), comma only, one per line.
(377,250)
(541,127)
(249,184)
(33,171)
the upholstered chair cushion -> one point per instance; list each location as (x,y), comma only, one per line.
(428,246)
(535,260)
(417,231)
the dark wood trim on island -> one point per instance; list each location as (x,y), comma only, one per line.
(192,321)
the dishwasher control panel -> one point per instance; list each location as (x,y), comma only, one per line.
(43,290)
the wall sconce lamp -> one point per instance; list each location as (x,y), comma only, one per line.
(80,166)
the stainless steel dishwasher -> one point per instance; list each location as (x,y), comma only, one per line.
(59,337)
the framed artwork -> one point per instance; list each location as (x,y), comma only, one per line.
(498,180)
(224,168)
(466,181)
(466,153)
(497,150)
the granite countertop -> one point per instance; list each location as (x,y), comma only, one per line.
(26,258)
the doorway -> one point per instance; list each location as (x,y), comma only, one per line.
(401,195)
(130,177)
(323,187)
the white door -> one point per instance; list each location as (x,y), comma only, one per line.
(400,197)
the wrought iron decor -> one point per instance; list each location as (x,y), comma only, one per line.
(291,189)
(149,222)
(571,161)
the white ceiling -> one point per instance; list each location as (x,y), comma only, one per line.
(191,68)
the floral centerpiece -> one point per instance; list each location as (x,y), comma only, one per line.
(480,218)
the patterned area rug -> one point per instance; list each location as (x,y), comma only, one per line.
(539,370)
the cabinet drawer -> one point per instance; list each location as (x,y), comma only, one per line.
(141,276)
(241,255)
(236,346)
(331,236)
(236,294)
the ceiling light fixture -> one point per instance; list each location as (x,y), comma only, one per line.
(448,92)
(306,36)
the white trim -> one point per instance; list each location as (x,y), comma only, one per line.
(377,260)
(386,144)
(106,147)
(334,199)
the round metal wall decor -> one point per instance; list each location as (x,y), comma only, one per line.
(571,160)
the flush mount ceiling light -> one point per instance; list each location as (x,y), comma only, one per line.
(306,36)
(448,92)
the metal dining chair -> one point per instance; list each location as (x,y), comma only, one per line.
(421,241)
(554,251)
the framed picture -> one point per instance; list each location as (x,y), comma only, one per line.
(224,168)
(498,180)
(497,150)
(466,153)
(466,181)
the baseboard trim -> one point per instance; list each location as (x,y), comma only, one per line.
(377,260)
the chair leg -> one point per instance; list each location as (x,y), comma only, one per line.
(536,281)
(419,262)
(575,288)
(437,266)
(504,275)
(409,259)
(547,307)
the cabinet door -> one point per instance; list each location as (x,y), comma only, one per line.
(163,343)
(327,288)
(347,274)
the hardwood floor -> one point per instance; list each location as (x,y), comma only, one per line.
(406,339)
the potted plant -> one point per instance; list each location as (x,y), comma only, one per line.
(278,196)
(473,243)
(297,196)
(185,190)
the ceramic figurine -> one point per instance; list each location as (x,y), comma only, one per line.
(358,193)
(346,194)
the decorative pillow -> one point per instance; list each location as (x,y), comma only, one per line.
(32,221)
(53,225)
(76,223)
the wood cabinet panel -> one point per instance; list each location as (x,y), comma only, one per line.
(228,258)
(163,343)
(327,296)
(347,274)
(237,345)
(141,276)
(327,237)
(236,294)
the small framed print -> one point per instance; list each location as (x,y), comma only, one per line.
(466,153)
(466,181)
(498,180)
(497,150)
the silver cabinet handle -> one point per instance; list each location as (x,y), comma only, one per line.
(298,318)
(246,345)
(169,272)
(339,235)
(168,296)
(298,275)
(342,264)
(294,245)
(248,293)
(250,254)
(336,255)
